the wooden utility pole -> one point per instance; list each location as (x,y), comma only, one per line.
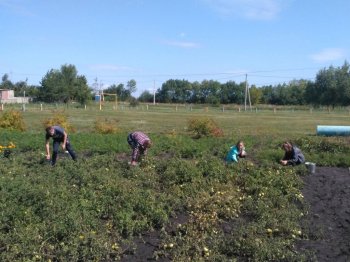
(154,92)
(247,94)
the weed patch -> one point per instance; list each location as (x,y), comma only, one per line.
(12,120)
(59,118)
(204,127)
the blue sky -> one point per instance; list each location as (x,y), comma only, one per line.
(151,41)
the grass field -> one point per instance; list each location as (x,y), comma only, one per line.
(90,210)
(164,118)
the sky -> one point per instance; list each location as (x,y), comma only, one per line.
(267,42)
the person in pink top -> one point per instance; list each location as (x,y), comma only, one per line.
(139,142)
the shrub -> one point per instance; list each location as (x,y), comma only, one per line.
(12,120)
(204,127)
(106,126)
(133,102)
(60,119)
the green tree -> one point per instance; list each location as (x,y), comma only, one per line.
(175,91)
(296,92)
(64,85)
(6,82)
(342,76)
(195,93)
(131,86)
(122,93)
(255,95)
(232,93)
(146,96)
(311,97)
(210,92)
(82,92)
(332,86)
(326,86)
(267,94)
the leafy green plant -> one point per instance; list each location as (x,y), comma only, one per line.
(12,120)
(133,102)
(90,209)
(59,118)
(204,127)
(106,126)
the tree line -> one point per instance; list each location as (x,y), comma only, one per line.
(64,86)
(330,88)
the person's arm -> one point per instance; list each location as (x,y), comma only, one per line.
(47,146)
(234,158)
(64,140)
(144,151)
(144,147)
(284,160)
(135,153)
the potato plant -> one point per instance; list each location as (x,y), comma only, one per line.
(91,209)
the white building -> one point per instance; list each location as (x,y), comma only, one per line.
(7,97)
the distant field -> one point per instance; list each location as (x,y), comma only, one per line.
(164,118)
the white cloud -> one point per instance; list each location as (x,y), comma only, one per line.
(329,55)
(182,44)
(251,9)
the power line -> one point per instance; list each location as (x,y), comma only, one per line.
(185,74)
(225,75)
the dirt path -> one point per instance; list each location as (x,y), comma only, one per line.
(328,222)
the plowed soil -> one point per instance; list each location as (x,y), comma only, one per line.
(326,226)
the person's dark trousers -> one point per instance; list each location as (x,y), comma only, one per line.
(71,151)
(56,145)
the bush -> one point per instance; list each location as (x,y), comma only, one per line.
(12,120)
(60,119)
(204,127)
(106,126)
(133,102)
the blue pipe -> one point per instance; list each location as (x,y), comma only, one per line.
(333,130)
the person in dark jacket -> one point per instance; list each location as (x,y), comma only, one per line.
(59,136)
(293,155)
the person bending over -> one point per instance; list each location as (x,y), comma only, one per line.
(292,156)
(139,142)
(59,136)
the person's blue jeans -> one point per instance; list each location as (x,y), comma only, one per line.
(56,145)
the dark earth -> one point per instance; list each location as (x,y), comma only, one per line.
(326,226)
(328,222)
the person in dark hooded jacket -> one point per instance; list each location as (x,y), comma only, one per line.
(59,136)
(292,156)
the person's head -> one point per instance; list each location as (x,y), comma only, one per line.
(50,130)
(240,145)
(147,144)
(287,146)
